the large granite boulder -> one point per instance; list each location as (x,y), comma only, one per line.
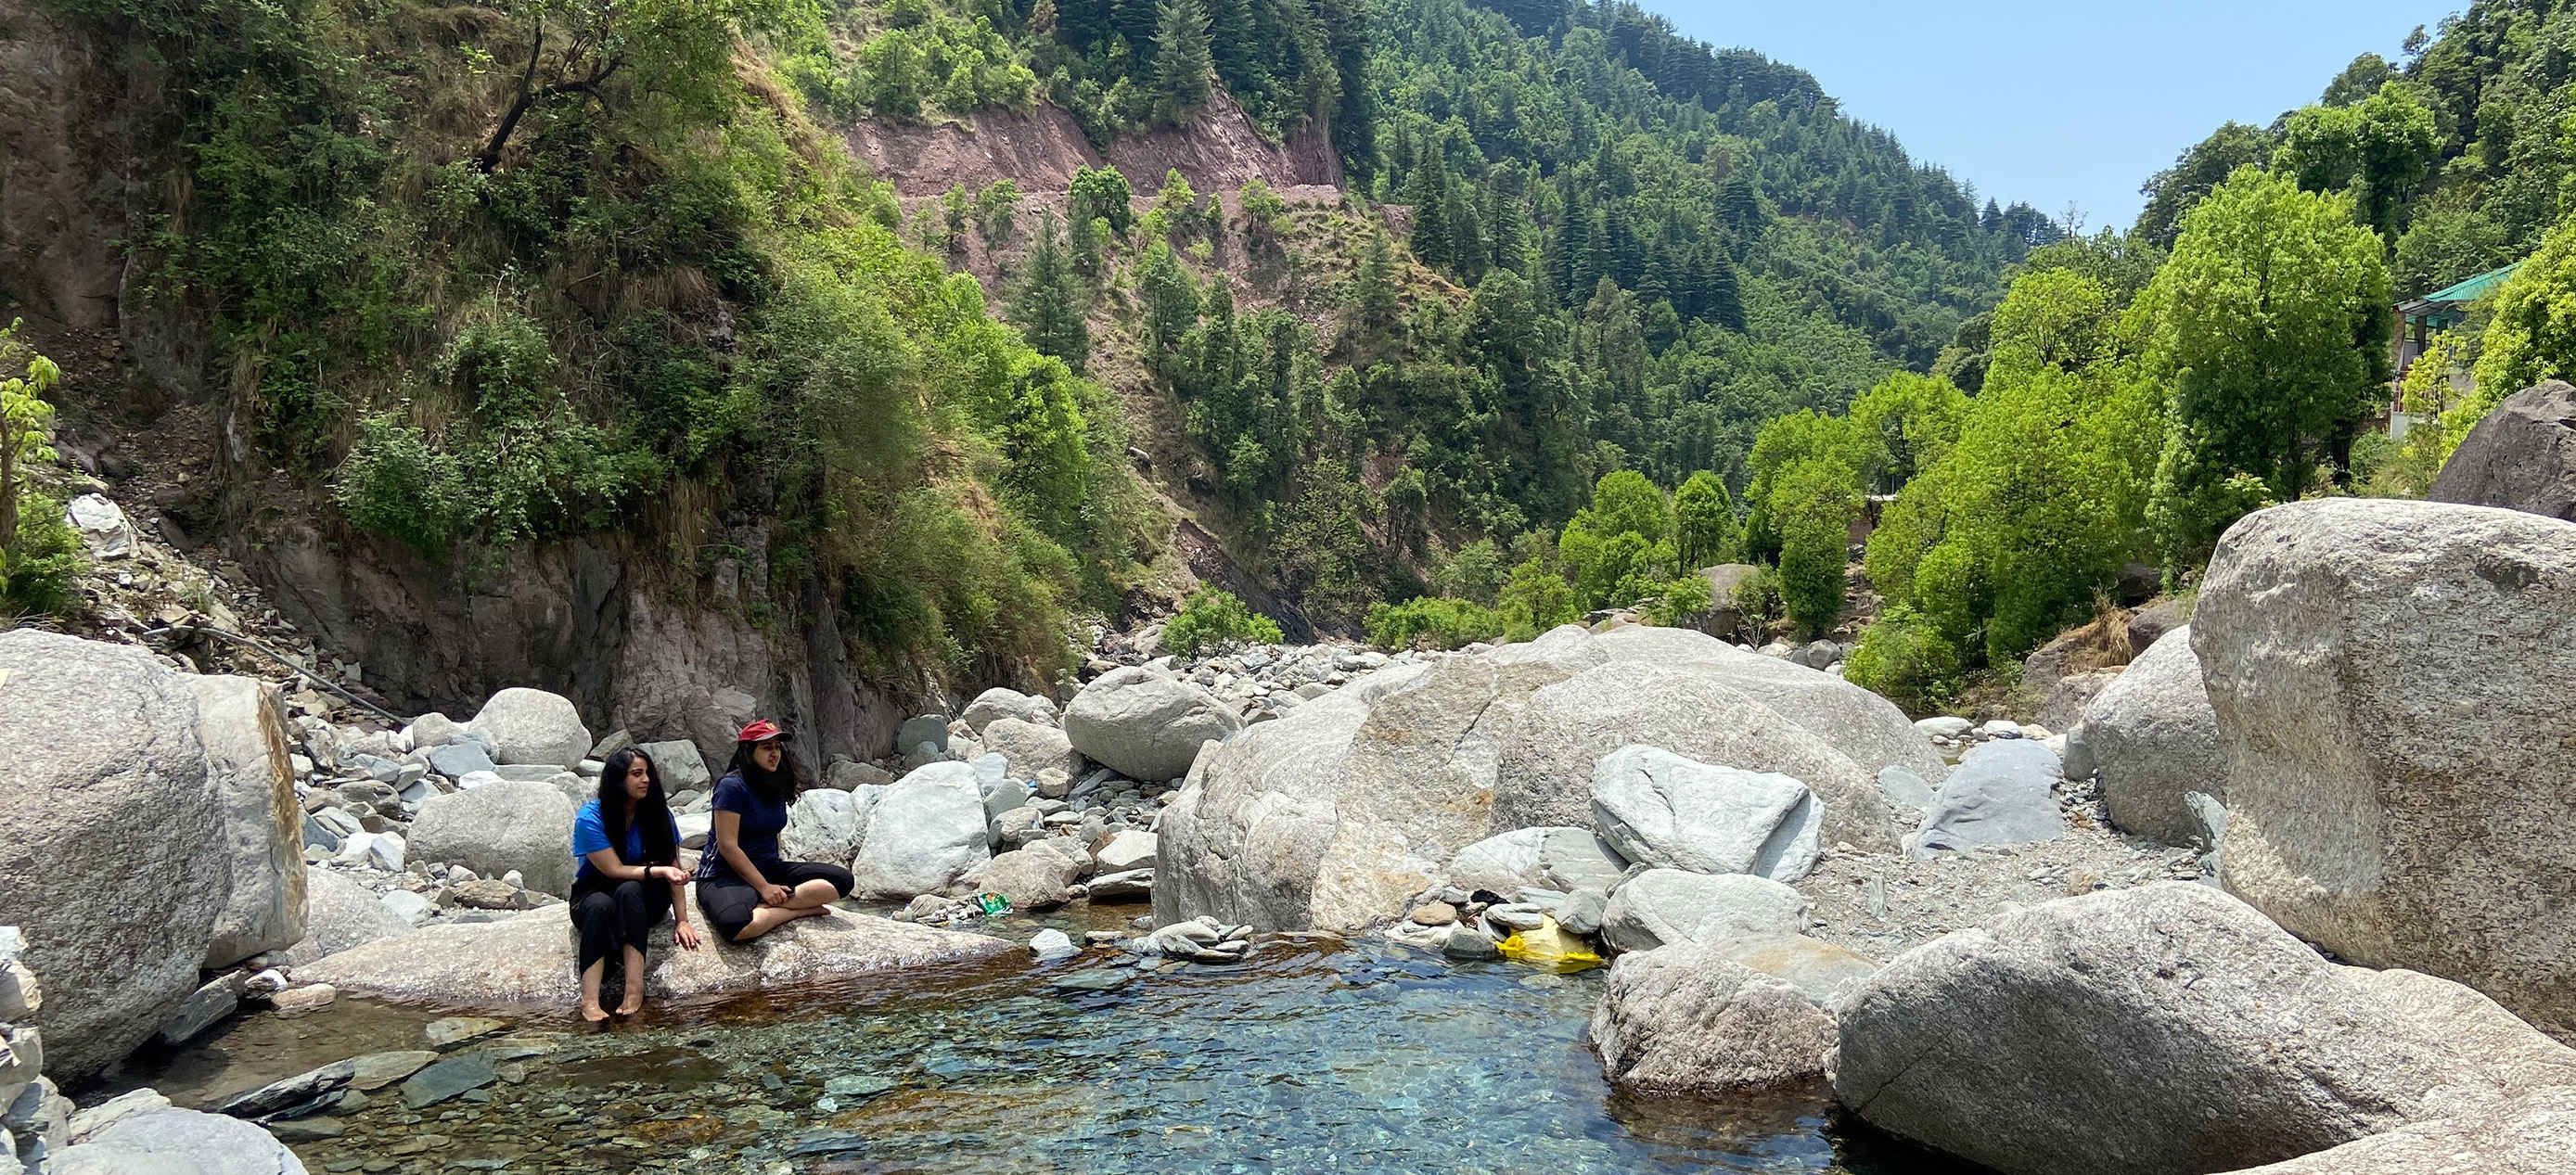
(2163,1030)
(2521,456)
(339,914)
(242,723)
(2391,682)
(1868,729)
(1146,725)
(1556,744)
(2003,793)
(1662,907)
(2074,692)
(1030,749)
(1336,815)
(1820,969)
(500,826)
(141,1133)
(1563,859)
(528,960)
(2532,1134)
(1685,1019)
(112,858)
(2152,738)
(533,726)
(922,833)
(825,825)
(998,703)
(1659,809)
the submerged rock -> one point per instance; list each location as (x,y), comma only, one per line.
(1685,1019)
(2209,1039)
(2391,682)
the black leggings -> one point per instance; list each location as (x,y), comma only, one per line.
(613,914)
(729,901)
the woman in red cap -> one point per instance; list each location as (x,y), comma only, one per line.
(743,886)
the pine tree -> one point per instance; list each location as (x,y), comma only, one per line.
(1432,238)
(1171,307)
(1052,301)
(1372,301)
(1181,58)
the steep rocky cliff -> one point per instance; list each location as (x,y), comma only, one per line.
(671,624)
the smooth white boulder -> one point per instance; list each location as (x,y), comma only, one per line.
(922,833)
(1659,809)
(533,726)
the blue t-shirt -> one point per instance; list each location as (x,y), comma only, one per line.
(761,822)
(590,834)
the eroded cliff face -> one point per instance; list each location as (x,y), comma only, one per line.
(603,620)
(84,136)
(1217,152)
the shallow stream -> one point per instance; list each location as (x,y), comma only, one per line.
(1318,1056)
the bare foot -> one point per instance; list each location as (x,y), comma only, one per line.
(634,1003)
(591,1012)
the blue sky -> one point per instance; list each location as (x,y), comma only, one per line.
(2051,103)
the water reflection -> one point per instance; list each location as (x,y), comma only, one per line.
(1313,1057)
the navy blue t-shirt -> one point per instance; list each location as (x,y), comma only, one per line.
(761,822)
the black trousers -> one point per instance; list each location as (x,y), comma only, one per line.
(729,901)
(613,914)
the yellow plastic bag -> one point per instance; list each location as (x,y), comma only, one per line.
(1549,948)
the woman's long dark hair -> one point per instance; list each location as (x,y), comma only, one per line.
(776,787)
(652,813)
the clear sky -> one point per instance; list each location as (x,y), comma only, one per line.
(2056,102)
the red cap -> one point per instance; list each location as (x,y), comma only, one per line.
(760,731)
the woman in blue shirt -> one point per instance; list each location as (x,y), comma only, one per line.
(628,849)
(743,886)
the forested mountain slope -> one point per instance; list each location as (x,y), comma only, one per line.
(581,323)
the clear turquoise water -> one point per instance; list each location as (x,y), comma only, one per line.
(1359,1058)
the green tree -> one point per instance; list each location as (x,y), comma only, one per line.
(1904,658)
(1101,193)
(1181,60)
(1213,621)
(1915,420)
(1052,301)
(2175,190)
(1536,600)
(996,210)
(2271,323)
(1815,501)
(2380,150)
(26,421)
(2533,334)
(1171,308)
(1704,528)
